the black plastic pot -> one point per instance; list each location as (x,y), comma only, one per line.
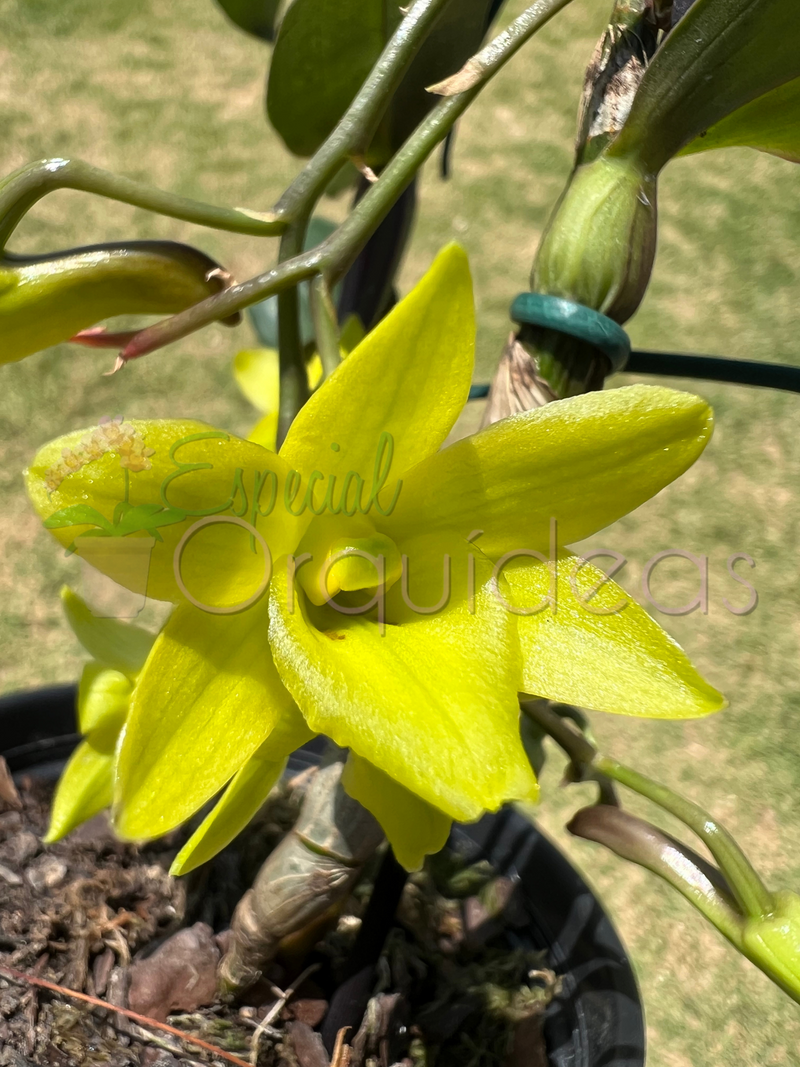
(598,1020)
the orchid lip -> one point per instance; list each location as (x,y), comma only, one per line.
(353,564)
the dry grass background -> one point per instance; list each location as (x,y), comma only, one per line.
(173,95)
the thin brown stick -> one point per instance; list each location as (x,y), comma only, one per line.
(284,996)
(42,983)
(341,1051)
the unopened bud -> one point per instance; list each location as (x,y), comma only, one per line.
(45,300)
(600,242)
(773,943)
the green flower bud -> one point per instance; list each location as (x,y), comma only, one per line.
(600,242)
(45,300)
(772,943)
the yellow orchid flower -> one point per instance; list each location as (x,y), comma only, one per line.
(446,606)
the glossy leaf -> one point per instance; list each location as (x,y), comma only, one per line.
(413,828)
(246,793)
(721,55)
(119,645)
(45,300)
(457,34)
(254,16)
(323,53)
(770,123)
(599,650)
(207,697)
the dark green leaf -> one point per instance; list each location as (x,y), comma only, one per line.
(457,35)
(720,56)
(254,16)
(324,52)
(770,123)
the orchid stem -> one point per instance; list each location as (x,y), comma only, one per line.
(334,256)
(22,189)
(358,124)
(352,235)
(751,894)
(292,365)
(638,842)
(749,891)
(581,752)
(326,329)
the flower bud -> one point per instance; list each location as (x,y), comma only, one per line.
(599,245)
(772,943)
(45,300)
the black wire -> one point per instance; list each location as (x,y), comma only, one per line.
(716,369)
(709,368)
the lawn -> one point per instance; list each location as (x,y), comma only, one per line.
(173,95)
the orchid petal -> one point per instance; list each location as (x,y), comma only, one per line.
(600,651)
(584,462)
(432,701)
(119,645)
(86,783)
(207,697)
(409,379)
(265,431)
(188,467)
(414,828)
(246,793)
(256,373)
(103,697)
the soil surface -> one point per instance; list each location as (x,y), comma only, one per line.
(454,987)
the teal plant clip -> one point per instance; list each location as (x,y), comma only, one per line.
(576,320)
